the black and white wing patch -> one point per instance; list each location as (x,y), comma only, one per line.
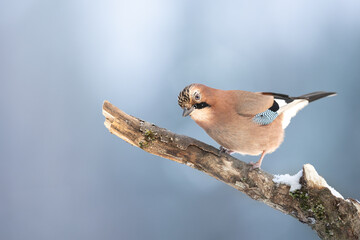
(282,104)
(287,106)
(268,116)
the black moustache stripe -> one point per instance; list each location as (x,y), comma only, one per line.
(201,105)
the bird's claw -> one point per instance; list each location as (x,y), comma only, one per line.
(225,150)
(255,165)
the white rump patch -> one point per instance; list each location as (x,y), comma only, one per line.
(280,102)
(290,110)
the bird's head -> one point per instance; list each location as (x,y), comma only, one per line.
(194,98)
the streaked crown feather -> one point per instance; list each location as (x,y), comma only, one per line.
(184,96)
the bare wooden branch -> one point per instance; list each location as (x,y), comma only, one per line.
(314,204)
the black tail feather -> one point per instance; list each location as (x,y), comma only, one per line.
(310,96)
(315,96)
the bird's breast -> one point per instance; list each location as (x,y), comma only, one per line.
(242,135)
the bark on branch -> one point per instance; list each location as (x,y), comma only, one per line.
(331,217)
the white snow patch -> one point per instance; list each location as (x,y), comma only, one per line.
(313,179)
(334,192)
(292,181)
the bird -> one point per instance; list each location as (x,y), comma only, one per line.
(249,123)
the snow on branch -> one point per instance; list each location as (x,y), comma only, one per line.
(311,200)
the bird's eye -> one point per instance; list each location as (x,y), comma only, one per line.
(197,96)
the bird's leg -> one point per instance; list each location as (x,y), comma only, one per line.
(258,163)
(224,150)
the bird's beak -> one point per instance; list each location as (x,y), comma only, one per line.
(187,111)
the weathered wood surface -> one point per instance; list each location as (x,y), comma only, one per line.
(313,204)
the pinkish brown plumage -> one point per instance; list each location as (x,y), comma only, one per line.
(240,121)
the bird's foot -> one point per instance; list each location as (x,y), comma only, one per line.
(255,165)
(224,150)
(258,163)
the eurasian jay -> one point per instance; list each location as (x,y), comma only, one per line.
(250,123)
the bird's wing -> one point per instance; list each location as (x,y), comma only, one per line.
(262,108)
(267,106)
(249,103)
(287,105)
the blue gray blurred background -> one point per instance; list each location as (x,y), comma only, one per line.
(64,176)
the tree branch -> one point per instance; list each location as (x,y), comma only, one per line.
(314,204)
